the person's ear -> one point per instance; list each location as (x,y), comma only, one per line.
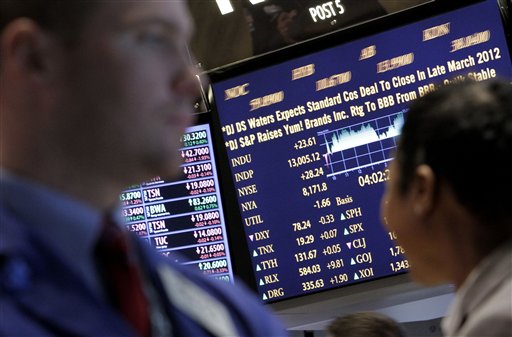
(27,49)
(423,190)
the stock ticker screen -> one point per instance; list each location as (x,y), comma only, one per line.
(183,219)
(309,141)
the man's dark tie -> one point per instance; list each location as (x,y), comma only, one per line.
(120,275)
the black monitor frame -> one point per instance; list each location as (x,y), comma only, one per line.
(241,258)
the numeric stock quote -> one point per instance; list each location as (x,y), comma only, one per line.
(309,141)
(183,219)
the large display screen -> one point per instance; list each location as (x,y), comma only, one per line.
(183,219)
(309,141)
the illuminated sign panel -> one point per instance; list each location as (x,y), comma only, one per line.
(309,142)
(183,219)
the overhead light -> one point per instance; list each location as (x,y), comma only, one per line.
(225,6)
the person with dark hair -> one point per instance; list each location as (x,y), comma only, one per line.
(448,201)
(364,324)
(95,96)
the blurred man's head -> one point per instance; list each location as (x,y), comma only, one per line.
(98,89)
(364,324)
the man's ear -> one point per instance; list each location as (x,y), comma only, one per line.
(423,190)
(27,48)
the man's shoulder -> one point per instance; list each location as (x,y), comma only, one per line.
(494,316)
(194,293)
(14,236)
(497,305)
(488,303)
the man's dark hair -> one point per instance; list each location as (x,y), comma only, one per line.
(364,324)
(65,18)
(463,131)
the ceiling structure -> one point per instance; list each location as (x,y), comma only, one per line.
(223,39)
